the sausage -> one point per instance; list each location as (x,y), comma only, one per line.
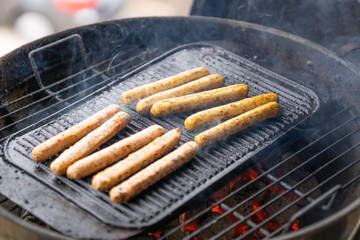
(113,153)
(89,143)
(236,124)
(146,90)
(153,173)
(202,84)
(221,113)
(68,137)
(136,161)
(199,100)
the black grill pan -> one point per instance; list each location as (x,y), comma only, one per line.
(210,165)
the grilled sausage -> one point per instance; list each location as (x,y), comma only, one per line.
(236,124)
(136,161)
(199,100)
(68,137)
(153,173)
(89,143)
(221,113)
(202,84)
(113,153)
(146,90)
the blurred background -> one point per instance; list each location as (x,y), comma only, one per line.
(22,21)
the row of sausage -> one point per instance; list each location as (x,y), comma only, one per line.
(185,91)
(197,89)
(137,152)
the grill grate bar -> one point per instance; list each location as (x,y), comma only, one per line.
(7,104)
(90,70)
(282,177)
(287,186)
(330,191)
(205,226)
(264,174)
(322,198)
(318,134)
(50,96)
(44,109)
(296,185)
(95,86)
(242,219)
(351,181)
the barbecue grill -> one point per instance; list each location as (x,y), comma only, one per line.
(306,160)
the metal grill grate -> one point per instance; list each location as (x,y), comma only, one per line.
(341,128)
(209,166)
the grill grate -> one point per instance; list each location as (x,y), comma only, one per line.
(341,128)
(211,164)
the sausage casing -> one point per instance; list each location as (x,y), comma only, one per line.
(202,84)
(90,143)
(136,161)
(236,124)
(199,100)
(113,153)
(224,112)
(153,173)
(68,137)
(146,90)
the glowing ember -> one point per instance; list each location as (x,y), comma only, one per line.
(157,234)
(295,226)
(192,226)
(240,229)
(280,190)
(261,214)
(218,209)
(277,189)
(272,226)
(250,175)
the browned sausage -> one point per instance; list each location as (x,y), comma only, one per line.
(199,100)
(224,112)
(68,137)
(236,124)
(146,90)
(113,153)
(202,84)
(153,173)
(89,143)
(136,161)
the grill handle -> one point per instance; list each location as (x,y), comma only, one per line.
(331,193)
(39,51)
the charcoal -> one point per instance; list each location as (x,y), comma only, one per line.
(279,204)
(219,226)
(290,164)
(247,192)
(306,186)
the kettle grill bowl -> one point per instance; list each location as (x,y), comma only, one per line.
(138,40)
